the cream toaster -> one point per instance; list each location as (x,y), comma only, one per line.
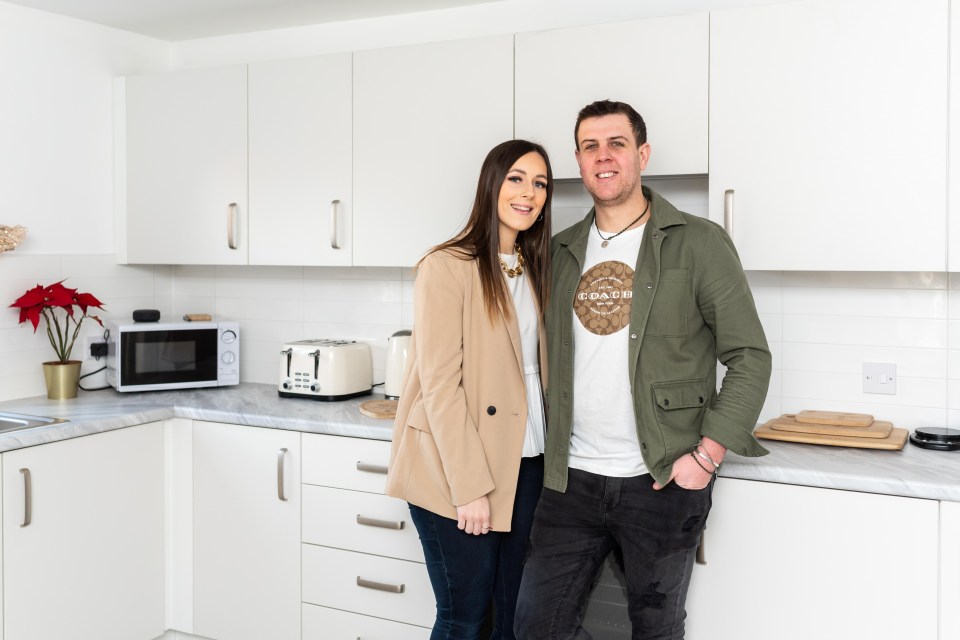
(325,369)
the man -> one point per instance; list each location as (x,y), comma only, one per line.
(645,300)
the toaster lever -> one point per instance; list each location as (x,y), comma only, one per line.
(289,354)
(316,363)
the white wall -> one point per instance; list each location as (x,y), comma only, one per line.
(56,122)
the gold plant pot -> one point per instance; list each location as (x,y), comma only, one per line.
(62,378)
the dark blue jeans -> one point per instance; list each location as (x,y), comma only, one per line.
(466,571)
(656,534)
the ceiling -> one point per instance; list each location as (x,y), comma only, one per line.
(175,20)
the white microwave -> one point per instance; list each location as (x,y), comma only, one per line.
(158,356)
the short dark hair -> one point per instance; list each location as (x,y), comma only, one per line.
(607,108)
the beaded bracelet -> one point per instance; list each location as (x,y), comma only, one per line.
(701,464)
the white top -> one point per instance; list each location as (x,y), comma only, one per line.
(526,309)
(604,439)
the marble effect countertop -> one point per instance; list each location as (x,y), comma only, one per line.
(912,472)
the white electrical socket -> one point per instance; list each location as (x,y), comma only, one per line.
(880,377)
(89,341)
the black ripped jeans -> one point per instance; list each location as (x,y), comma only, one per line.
(656,532)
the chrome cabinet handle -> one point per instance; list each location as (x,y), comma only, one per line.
(280,458)
(383,524)
(371,468)
(27,498)
(380,586)
(334,206)
(232,225)
(701,548)
(728,212)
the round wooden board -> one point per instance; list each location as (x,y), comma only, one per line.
(379,409)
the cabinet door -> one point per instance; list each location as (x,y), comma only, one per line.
(827,122)
(953,224)
(425,117)
(88,561)
(301,157)
(796,563)
(949,570)
(246,543)
(659,66)
(186,167)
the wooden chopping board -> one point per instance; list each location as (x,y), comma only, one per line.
(894,441)
(789,422)
(838,418)
(384,409)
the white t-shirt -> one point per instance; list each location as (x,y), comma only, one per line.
(604,439)
(526,310)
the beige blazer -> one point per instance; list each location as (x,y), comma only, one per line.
(462,414)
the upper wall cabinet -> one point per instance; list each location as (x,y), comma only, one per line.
(953,224)
(186,167)
(424,118)
(828,123)
(301,156)
(659,66)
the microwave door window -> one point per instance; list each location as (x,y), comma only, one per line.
(169,357)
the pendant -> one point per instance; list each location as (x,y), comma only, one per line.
(604,244)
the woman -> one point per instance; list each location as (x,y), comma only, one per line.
(468,438)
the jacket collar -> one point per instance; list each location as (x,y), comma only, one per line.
(662,215)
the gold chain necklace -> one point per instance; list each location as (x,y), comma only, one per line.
(517,270)
(606,241)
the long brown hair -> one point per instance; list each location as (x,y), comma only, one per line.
(480,238)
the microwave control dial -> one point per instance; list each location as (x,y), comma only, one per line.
(229,357)
(229,337)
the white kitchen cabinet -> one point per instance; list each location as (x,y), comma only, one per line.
(797,562)
(953,219)
(246,532)
(363,566)
(83,546)
(424,118)
(828,122)
(659,66)
(301,157)
(949,570)
(186,167)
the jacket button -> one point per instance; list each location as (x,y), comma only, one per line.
(491,410)
(700,399)
(649,285)
(666,402)
(656,236)
(633,336)
(643,445)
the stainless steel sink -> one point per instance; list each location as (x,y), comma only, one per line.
(16,421)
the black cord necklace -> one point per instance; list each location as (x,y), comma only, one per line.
(606,241)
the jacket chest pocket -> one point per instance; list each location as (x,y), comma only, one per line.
(671,304)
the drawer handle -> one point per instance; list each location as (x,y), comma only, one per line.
(372,468)
(383,524)
(728,212)
(380,586)
(27,498)
(232,225)
(333,224)
(281,455)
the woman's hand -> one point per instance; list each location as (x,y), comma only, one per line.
(474,517)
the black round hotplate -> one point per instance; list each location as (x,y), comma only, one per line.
(936,438)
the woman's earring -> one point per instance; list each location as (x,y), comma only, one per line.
(539,218)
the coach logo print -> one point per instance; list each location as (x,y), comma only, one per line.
(604,297)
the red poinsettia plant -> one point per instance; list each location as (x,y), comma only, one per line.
(46,301)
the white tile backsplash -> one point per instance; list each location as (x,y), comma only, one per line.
(821,326)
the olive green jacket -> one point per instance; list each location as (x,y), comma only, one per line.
(691,307)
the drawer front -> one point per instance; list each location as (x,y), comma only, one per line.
(347,463)
(330,579)
(358,521)
(321,623)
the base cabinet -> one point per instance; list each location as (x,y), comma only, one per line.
(796,563)
(83,538)
(363,567)
(246,532)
